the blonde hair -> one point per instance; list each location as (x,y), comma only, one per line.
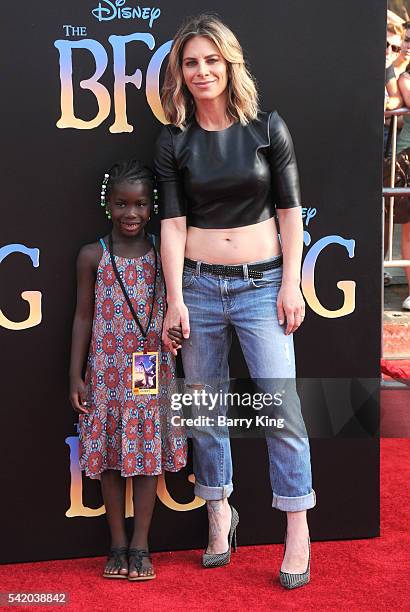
(394,28)
(177,101)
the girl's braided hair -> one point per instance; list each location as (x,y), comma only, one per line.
(130,171)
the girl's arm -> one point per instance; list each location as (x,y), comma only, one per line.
(87,263)
(173,239)
(290,300)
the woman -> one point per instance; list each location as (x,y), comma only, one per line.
(221,167)
(403,142)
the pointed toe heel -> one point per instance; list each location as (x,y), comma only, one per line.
(293,581)
(218,560)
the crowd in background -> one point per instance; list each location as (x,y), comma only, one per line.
(397,95)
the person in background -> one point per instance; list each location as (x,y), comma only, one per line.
(394,52)
(403,142)
(392,96)
(402,57)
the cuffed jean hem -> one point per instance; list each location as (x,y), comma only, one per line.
(294,504)
(212,493)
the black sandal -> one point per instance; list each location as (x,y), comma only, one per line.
(115,553)
(135,556)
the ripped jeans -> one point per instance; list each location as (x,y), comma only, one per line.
(216,305)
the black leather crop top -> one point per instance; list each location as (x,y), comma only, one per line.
(228,178)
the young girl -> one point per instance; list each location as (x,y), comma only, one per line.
(124,431)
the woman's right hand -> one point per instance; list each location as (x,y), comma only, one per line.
(177,315)
(78,396)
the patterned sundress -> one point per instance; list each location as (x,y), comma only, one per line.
(126,432)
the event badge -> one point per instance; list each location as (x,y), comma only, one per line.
(145,373)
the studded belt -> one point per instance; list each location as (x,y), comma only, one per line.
(254,270)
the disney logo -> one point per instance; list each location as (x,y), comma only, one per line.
(106,11)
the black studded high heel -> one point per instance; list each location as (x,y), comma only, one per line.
(218,560)
(293,581)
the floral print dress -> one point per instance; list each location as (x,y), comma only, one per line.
(123,431)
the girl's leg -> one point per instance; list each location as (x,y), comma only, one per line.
(113,490)
(144,495)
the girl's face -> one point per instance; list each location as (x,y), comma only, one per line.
(204,69)
(130,207)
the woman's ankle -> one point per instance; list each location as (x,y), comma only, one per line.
(217,506)
(297,521)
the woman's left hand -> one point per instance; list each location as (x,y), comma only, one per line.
(291,307)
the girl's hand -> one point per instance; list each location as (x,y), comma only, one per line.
(78,396)
(291,306)
(177,317)
(175,334)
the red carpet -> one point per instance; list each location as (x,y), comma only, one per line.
(395,413)
(356,575)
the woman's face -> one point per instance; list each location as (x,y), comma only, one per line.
(204,69)
(393,40)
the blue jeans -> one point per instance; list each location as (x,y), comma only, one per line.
(216,305)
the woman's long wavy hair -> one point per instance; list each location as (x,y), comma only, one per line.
(176,99)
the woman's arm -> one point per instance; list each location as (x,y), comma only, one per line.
(173,239)
(173,232)
(286,191)
(404,87)
(82,324)
(394,100)
(392,88)
(290,301)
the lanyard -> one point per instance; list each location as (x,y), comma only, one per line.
(127,297)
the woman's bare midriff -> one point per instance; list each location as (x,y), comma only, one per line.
(237,245)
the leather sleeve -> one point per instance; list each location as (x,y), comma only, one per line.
(171,200)
(282,161)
